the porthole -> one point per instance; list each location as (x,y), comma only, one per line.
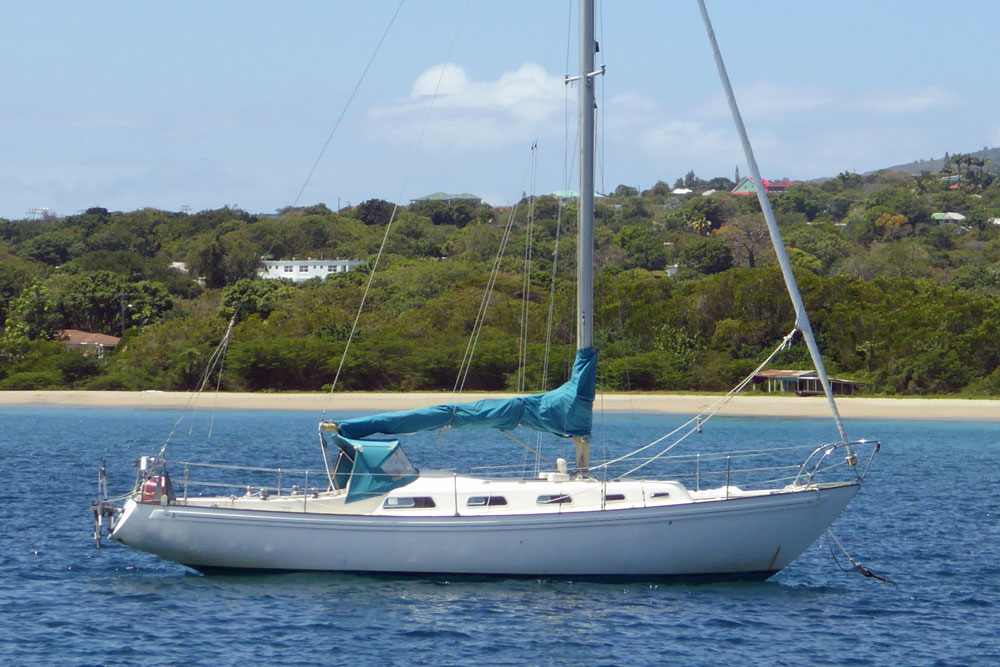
(486,501)
(409,502)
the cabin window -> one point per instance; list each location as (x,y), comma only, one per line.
(409,502)
(556,499)
(396,466)
(660,494)
(486,501)
(609,497)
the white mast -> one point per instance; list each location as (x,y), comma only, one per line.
(585,211)
(801,318)
(585,208)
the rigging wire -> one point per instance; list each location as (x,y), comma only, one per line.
(484,304)
(395,208)
(521,383)
(526,277)
(625,342)
(218,355)
(218,385)
(801,317)
(560,209)
(694,424)
(347,105)
(603,139)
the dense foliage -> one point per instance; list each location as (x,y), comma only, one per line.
(688,297)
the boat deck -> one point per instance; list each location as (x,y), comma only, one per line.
(459,495)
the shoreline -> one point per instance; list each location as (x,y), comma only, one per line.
(683,404)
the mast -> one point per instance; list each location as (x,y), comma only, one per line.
(801,318)
(585,208)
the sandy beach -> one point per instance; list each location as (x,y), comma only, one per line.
(744,405)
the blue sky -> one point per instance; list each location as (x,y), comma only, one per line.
(204,104)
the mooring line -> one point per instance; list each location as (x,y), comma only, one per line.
(831,540)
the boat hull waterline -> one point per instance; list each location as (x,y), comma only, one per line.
(749,537)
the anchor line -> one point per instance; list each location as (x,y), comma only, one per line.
(864,571)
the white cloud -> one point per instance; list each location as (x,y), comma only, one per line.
(445,80)
(465,113)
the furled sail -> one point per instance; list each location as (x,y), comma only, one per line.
(565,411)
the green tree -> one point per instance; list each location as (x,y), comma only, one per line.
(802,199)
(32,315)
(54,247)
(707,256)
(747,238)
(374,212)
(222,261)
(102,301)
(824,242)
(252,297)
(15,274)
(643,248)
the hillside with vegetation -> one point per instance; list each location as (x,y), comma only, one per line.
(949,164)
(688,294)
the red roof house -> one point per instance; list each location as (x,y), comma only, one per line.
(91,343)
(746,186)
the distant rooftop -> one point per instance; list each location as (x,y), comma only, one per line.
(746,186)
(77,337)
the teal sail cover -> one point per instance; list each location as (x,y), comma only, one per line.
(371,468)
(565,411)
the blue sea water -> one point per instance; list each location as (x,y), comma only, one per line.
(927,518)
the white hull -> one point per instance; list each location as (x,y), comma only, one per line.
(744,537)
(378,515)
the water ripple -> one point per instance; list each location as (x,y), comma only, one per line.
(63,601)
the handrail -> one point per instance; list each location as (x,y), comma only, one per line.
(824,451)
(747,475)
(226,466)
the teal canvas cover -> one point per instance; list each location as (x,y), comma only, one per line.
(565,411)
(378,467)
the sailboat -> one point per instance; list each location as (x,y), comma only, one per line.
(373,511)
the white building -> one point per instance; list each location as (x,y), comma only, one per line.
(299,270)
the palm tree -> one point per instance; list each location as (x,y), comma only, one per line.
(699,224)
(981,162)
